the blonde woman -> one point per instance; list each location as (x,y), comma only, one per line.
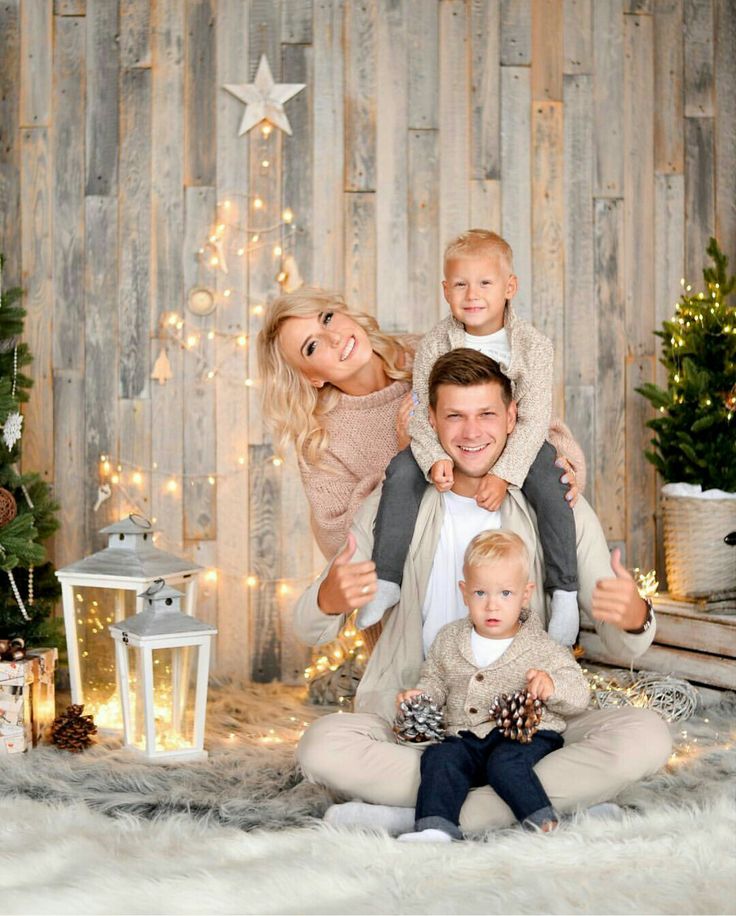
(338,389)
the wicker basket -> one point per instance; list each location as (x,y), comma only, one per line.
(697,560)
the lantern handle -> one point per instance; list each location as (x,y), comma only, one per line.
(155,587)
(140,520)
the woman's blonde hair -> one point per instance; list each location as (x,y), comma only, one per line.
(294,408)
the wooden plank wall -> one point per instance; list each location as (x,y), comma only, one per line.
(596,135)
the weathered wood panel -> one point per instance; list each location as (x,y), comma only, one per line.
(425,301)
(698,58)
(10,211)
(548,283)
(423,38)
(38,259)
(199,94)
(485,204)
(296,22)
(577,24)
(547,42)
(725,126)
(608,94)
(640,491)
(329,145)
(700,216)
(516,33)
(36,29)
(264,566)
(360,96)
(668,87)
(360,250)
(669,250)
(101,125)
(69,465)
(134,212)
(454,108)
(135,33)
(68,204)
(392,243)
(70,7)
(485,43)
(298,166)
(516,179)
(100,353)
(609,452)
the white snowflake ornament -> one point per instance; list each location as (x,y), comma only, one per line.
(12,428)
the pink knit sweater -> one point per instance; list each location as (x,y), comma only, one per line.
(362,441)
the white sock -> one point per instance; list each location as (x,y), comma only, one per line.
(430,835)
(392,819)
(387,595)
(564,621)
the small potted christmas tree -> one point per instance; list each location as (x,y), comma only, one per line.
(694,443)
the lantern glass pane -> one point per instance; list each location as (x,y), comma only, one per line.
(95,609)
(174,691)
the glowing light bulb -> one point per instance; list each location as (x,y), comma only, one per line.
(255,237)
(266,129)
(277,251)
(106,467)
(211,480)
(265,163)
(227,293)
(138,478)
(242,340)
(277,462)
(192,341)
(287,215)
(241,460)
(241,252)
(211,575)
(257,310)
(171,486)
(214,262)
(211,335)
(115,478)
(258,203)
(251,581)
(248,383)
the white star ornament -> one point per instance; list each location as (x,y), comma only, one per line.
(264,99)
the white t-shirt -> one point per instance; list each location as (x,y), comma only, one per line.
(443,603)
(486,650)
(495,345)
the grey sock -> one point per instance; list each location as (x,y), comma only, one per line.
(606,810)
(392,819)
(387,595)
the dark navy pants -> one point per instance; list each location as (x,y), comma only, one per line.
(460,763)
(405,485)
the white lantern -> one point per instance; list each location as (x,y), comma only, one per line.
(163,660)
(104,588)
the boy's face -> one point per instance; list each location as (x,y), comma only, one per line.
(494,594)
(476,288)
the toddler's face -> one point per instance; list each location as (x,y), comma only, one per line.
(494,594)
(476,289)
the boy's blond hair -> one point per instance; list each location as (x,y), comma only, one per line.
(480,242)
(489,546)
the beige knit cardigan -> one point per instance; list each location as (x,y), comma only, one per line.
(530,373)
(452,678)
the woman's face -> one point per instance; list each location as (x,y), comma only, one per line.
(326,347)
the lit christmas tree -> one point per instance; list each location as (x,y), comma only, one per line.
(695,435)
(28,587)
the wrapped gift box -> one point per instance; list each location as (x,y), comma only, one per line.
(26,700)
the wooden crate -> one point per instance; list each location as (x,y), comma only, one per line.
(690,642)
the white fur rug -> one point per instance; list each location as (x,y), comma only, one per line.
(674,851)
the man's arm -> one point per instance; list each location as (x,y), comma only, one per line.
(607,594)
(321,610)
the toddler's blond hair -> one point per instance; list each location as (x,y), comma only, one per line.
(489,546)
(480,242)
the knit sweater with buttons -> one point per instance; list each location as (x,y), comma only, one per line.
(451,677)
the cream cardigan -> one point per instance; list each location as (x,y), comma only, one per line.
(452,678)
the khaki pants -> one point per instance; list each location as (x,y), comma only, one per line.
(605,750)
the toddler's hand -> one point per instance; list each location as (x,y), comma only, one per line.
(539,684)
(569,478)
(491,492)
(441,475)
(406,695)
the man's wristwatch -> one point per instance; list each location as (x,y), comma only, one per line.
(649,620)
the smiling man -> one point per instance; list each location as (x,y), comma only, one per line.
(356,754)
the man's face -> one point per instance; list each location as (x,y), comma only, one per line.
(472,424)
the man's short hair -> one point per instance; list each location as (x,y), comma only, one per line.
(489,546)
(466,367)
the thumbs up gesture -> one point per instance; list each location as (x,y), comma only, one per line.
(617,600)
(348,584)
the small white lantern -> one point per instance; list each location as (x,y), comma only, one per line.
(163,660)
(104,588)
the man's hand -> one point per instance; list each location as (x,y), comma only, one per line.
(441,475)
(617,600)
(347,585)
(539,684)
(406,695)
(491,492)
(406,409)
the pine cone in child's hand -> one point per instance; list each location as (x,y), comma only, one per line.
(419,719)
(71,731)
(517,715)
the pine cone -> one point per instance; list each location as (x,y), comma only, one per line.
(71,731)
(419,719)
(517,715)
